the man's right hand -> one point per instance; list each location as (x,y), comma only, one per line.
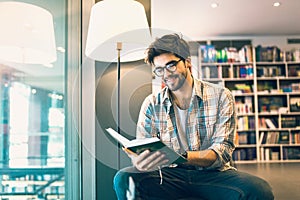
(148,161)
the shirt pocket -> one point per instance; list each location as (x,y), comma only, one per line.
(206,129)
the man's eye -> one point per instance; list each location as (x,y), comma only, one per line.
(170,64)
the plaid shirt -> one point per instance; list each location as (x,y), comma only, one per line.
(210,122)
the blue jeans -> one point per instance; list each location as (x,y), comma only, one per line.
(183,183)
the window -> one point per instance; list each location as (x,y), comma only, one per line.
(33,118)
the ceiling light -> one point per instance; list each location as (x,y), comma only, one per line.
(49,65)
(33,91)
(214,5)
(276,4)
(61,49)
(26,38)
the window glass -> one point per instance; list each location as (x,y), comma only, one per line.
(32,102)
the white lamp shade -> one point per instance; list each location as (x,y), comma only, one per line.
(27,34)
(113,21)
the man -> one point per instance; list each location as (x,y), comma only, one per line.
(196,119)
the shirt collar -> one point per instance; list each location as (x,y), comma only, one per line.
(198,88)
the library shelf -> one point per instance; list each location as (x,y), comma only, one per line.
(265,83)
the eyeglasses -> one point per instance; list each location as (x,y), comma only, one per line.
(171,67)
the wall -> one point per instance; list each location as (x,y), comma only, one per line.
(135,86)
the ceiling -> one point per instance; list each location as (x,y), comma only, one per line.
(197,19)
(193,18)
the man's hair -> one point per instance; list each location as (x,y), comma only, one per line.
(171,43)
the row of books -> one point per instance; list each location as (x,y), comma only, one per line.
(241,154)
(244,107)
(267,123)
(267,154)
(243,71)
(292,87)
(218,71)
(245,138)
(290,153)
(274,137)
(268,54)
(277,70)
(245,123)
(295,104)
(290,121)
(293,55)
(268,137)
(294,71)
(270,71)
(209,54)
(238,71)
(295,138)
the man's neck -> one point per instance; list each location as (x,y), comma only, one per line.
(182,96)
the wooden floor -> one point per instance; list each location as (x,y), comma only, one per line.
(284,178)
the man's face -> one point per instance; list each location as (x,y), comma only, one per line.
(174,80)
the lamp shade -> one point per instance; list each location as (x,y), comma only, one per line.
(27,34)
(113,21)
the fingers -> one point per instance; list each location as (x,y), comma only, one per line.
(148,161)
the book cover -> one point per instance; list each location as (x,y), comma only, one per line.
(270,123)
(152,144)
(284,138)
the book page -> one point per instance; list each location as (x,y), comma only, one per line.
(139,142)
(129,143)
(121,139)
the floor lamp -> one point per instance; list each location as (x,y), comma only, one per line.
(118,32)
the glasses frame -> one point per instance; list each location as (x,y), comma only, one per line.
(171,64)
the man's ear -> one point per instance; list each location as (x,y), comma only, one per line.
(188,63)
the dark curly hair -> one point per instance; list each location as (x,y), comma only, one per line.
(171,43)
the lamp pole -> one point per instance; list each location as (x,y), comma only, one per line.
(119,48)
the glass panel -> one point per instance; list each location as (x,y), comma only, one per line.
(32,107)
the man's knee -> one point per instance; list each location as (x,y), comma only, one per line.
(259,189)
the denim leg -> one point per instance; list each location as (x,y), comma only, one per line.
(147,184)
(231,184)
(180,183)
(121,182)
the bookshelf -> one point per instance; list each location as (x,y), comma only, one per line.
(265,82)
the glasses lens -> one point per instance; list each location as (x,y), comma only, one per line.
(172,66)
(159,71)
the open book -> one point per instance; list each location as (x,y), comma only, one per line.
(153,144)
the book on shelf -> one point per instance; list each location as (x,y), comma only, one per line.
(284,138)
(245,123)
(245,54)
(289,122)
(295,104)
(268,54)
(295,138)
(244,154)
(261,138)
(291,153)
(137,146)
(270,123)
(243,138)
(267,123)
(274,137)
(211,71)
(268,154)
